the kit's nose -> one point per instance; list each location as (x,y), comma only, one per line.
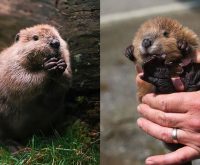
(55,43)
(146,43)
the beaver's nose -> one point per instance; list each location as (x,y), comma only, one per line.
(146,43)
(55,43)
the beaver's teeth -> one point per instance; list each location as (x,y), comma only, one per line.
(168,62)
(163,56)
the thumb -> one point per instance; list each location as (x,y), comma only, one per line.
(197,56)
(179,156)
(178,84)
(138,68)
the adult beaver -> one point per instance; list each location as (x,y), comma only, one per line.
(35,74)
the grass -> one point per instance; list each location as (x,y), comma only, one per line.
(75,147)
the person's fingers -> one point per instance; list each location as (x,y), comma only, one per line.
(178,84)
(141,83)
(173,120)
(197,57)
(155,130)
(138,79)
(164,134)
(180,156)
(138,68)
(176,102)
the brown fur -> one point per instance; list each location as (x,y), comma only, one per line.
(30,99)
(155,28)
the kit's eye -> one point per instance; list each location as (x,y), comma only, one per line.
(17,37)
(166,34)
(35,38)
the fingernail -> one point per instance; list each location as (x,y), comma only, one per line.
(149,162)
(178,84)
(138,108)
(143,99)
(138,69)
(139,123)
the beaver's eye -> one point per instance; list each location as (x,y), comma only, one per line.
(35,37)
(17,37)
(166,34)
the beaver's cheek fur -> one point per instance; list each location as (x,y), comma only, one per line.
(33,57)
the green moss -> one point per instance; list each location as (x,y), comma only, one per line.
(81,99)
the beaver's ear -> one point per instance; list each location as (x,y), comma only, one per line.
(17,37)
(129,53)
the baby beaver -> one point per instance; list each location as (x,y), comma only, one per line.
(164,48)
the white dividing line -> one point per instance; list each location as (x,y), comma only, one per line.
(148,11)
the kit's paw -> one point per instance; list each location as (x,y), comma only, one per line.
(184,47)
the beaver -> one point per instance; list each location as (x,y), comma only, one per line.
(164,48)
(35,74)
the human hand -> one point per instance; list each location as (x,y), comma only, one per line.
(161,113)
(157,119)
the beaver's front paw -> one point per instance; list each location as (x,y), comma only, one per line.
(156,73)
(54,65)
(192,79)
(61,65)
(184,47)
(153,66)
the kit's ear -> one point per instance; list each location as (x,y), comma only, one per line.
(129,53)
